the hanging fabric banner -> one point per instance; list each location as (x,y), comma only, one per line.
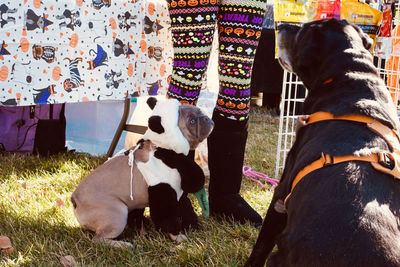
(74,50)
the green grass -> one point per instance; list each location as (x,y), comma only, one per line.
(36,213)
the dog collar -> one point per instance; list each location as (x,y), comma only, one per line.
(388,163)
(328,81)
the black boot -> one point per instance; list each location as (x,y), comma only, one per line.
(226,147)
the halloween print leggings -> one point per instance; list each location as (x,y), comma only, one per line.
(239,28)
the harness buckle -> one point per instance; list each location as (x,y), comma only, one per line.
(386,160)
(326,159)
(303,120)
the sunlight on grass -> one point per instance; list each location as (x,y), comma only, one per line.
(36,213)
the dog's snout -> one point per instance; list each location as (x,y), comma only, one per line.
(205,120)
(207,123)
(282,27)
(285,27)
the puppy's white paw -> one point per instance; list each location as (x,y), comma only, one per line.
(114,243)
(181,238)
(121,244)
(178,238)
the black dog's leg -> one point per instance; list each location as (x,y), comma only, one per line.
(273,225)
(192,176)
(187,214)
(163,205)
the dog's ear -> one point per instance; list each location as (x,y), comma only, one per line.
(155,124)
(151,101)
(367,41)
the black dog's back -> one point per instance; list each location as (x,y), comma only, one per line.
(341,216)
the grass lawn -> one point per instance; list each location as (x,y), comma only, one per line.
(36,213)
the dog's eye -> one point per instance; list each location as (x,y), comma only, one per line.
(192,121)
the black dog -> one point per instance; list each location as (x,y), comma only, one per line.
(345,214)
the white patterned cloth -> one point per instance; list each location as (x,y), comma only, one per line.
(74,51)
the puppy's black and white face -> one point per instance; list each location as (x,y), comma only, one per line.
(177,127)
(194,124)
(305,50)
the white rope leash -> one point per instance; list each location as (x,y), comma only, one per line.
(131,161)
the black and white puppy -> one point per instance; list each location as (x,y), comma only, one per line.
(159,177)
(170,172)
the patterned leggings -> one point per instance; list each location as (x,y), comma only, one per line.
(239,28)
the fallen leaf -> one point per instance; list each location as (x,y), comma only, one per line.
(13,197)
(8,250)
(60,203)
(68,261)
(5,242)
(23,184)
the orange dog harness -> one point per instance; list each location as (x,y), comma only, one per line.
(388,163)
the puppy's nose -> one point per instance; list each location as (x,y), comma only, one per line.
(207,120)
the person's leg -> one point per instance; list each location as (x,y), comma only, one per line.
(240,25)
(192,27)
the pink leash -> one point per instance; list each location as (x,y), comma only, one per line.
(257,176)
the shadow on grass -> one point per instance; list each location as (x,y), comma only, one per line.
(42,241)
(25,165)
